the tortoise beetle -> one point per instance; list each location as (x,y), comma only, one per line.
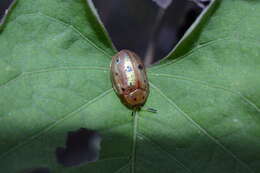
(129,79)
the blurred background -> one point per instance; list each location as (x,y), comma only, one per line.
(145,26)
(4,4)
(151,28)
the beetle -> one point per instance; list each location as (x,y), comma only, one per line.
(129,79)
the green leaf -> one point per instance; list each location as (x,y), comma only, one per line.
(54,78)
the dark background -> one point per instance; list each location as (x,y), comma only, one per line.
(130,23)
(4,4)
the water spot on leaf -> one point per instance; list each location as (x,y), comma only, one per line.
(82,146)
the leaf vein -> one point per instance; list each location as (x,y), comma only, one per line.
(121,168)
(190,52)
(48,70)
(208,85)
(216,141)
(111,158)
(74,29)
(15,78)
(52,125)
(165,151)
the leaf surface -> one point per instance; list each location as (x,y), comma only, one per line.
(54,78)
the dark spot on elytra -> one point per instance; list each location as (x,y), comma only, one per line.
(140,67)
(123,89)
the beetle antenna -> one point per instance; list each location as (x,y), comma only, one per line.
(150,110)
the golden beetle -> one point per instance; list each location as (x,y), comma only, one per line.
(129,79)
